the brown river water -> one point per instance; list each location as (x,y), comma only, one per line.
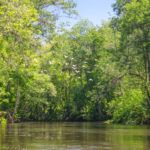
(73,136)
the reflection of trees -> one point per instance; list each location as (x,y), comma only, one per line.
(127,138)
(73,135)
(147,138)
(2,134)
(12,138)
(57,135)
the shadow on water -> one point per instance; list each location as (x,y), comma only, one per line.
(74,136)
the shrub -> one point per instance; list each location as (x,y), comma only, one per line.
(128,108)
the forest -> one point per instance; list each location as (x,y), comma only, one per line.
(86,73)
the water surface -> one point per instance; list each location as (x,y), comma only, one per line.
(74,136)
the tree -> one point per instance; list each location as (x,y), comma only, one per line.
(134,45)
(22,24)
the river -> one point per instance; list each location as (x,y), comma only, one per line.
(73,136)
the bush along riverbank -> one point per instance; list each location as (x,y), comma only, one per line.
(3,120)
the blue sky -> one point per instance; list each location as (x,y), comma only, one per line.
(95,10)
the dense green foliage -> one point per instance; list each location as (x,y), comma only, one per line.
(85,73)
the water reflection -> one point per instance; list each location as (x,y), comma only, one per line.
(73,136)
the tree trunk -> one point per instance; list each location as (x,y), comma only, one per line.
(17,99)
(147,72)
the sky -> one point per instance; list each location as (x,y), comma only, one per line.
(95,10)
